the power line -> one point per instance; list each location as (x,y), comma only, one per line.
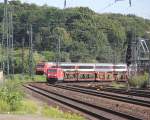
(107,6)
(111,4)
(123,0)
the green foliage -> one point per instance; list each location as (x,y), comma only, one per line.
(39,78)
(85,36)
(12,101)
(22,65)
(139,81)
(117,85)
(4,106)
(23,78)
(56,113)
(27,107)
(49,55)
(11,95)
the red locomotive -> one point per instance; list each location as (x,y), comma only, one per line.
(41,67)
(87,72)
(54,74)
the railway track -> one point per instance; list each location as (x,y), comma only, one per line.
(122,98)
(96,112)
(134,92)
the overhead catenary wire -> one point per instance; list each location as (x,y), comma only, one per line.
(107,6)
(111,4)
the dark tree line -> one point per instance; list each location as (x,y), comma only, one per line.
(85,36)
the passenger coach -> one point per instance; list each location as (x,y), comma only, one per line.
(87,72)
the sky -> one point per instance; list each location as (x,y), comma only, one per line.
(139,7)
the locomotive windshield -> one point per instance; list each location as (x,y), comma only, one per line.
(52,70)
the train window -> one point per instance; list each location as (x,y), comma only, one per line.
(52,70)
(85,67)
(86,76)
(68,67)
(70,76)
(91,76)
(104,67)
(119,67)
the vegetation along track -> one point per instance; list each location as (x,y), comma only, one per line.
(90,109)
(128,99)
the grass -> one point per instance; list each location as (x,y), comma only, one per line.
(12,100)
(26,107)
(56,113)
(32,107)
(26,78)
(117,85)
(4,106)
(139,81)
(40,78)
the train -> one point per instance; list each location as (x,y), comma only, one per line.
(84,72)
(42,66)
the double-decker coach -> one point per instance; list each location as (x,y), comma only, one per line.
(78,71)
(88,72)
(68,66)
(41,67)
(104,71)
(70,71)
(120,72)
(39,70)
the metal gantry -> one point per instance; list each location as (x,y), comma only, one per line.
(31,52)
(7,40)
(141,55)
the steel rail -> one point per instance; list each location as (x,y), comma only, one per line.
(140,93)
(93,110)
(106,95)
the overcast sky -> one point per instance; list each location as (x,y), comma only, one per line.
(139,7)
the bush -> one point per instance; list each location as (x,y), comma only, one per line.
(20,79)
(4,106)
(27,107)
(11,95)
(117,85)
(56,113)
(139,81)
(12,100)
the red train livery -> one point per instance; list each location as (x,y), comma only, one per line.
(41,67)
(87,72)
